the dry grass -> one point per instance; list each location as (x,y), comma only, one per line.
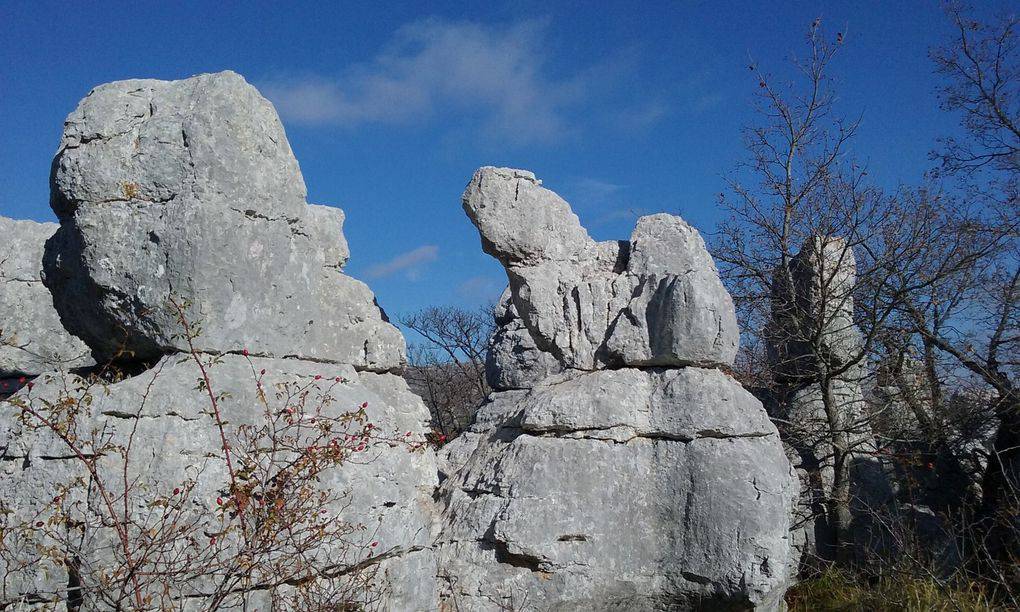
(840,590)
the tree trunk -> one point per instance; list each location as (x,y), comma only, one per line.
(1000,505)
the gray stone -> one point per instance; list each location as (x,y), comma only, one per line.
(628,489)
(521,222)
(607,472)
(512,360)
(387,489)
(189,190)
(813,342)
(32,339)
(814,298)
(655,300)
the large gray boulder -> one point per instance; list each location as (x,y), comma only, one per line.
(617,466)
(384,493)
(181,202)
(32,339)
(655,300)
(189,190)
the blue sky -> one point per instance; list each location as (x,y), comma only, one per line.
(623,108)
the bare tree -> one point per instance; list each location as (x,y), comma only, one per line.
(787,252)
(448,369)
(982,82)
(822,267)
(982,85)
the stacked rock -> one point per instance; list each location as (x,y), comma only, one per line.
(182,201)
(617,465)
(32,340)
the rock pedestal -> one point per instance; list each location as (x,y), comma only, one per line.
(617,466)
(813,337)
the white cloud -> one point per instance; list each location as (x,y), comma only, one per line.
(411,263)
(587,191)
(480,288)
(434,67)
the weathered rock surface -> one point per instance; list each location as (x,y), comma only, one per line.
(189,189)
(623,489)
(610,472)
(653,301)
(813,337)
(32,339)
(387,489)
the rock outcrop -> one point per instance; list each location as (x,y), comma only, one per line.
(617,466)
(815,349)
(653,301)
(32,339)
(186,192)
(190,189)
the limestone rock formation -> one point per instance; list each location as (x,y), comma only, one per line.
(190,189)
(653,301)
(187,191)
(618,467)
(386,491)
(813,338)
(32,340)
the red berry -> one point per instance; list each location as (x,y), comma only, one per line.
(177,491)
(263,371)
(39,524)
(212,541)
(337,379)
(244,352)
(219,501)
(365,405)
(374,544)
(318,377)
(21,380)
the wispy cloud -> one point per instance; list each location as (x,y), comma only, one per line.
(497,75)
(619,214)
(410,263)
(601,202)
(482,288)
(588,191)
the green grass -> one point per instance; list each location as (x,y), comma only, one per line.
(839,590)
